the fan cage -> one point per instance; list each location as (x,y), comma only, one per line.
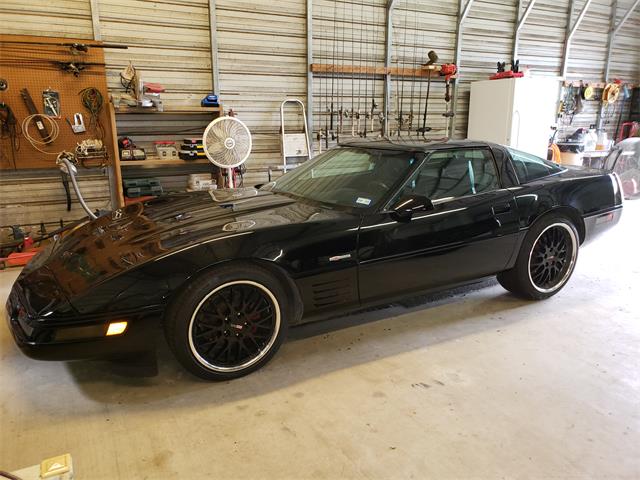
(227,142)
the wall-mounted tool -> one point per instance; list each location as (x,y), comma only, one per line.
(51,102)
(78,123)
(9,128)
(448,70)
(91,150)
(93,101)
(588,92)
(31,108)
(76,48)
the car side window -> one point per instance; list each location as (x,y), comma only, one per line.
(454,173)
(529,167)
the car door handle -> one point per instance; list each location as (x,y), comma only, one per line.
(501,208)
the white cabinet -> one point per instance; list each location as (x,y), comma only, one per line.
(517,112)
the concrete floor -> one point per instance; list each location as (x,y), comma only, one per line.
(476,385)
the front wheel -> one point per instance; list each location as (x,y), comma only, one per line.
(228,323)
(546,260)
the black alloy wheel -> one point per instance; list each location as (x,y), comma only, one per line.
(234,326)
(230,320)
(546,259)
(551,257)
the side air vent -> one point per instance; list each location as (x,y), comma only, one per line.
(332,292)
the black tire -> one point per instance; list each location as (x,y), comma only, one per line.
(546,259)
(199,323)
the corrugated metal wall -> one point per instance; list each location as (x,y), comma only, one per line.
(60,18)
(169,43)
(262,60)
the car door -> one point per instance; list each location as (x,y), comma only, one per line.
(471,231)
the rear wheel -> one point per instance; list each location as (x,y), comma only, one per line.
(546,260)
(228,323)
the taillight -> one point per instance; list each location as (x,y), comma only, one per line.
(618,193)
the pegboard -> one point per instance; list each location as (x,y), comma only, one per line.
(33,67)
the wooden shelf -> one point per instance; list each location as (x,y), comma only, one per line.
(423,71)
(151,110)
(153,161)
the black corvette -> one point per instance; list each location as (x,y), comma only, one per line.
(226,274)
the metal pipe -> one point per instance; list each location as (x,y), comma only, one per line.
(71,171)
(388,39)
(571,32)
(213,36)
(310,76)
(456,60)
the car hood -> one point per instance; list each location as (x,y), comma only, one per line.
(96,251)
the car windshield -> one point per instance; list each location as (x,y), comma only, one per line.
(349,177)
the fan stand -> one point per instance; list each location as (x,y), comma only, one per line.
(230,143)
(230,183)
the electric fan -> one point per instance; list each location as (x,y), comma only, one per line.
(227,144)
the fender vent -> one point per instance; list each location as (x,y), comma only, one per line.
(332,292)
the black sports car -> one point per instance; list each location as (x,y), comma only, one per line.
(225,274)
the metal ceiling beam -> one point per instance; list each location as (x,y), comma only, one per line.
(625,17)
(571,30)
(466,10)
(95,19)
(463,12)
(519,24)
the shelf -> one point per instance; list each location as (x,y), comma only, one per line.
(151,110)
(153,161)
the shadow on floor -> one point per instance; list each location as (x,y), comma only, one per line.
(312,350)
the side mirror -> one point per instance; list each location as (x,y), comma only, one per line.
(404,208)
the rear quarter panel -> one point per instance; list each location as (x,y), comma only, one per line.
(579,194)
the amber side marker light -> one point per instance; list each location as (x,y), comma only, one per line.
(116,328)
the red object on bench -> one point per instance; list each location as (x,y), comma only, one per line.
(507,74)
(19,259)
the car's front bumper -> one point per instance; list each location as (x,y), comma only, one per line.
(79,338)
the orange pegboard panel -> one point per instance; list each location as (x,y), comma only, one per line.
(26,63)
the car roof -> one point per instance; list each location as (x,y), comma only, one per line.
(409,145)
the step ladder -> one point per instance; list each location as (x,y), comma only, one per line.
(295,147)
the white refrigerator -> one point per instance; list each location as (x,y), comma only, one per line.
(517,112)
